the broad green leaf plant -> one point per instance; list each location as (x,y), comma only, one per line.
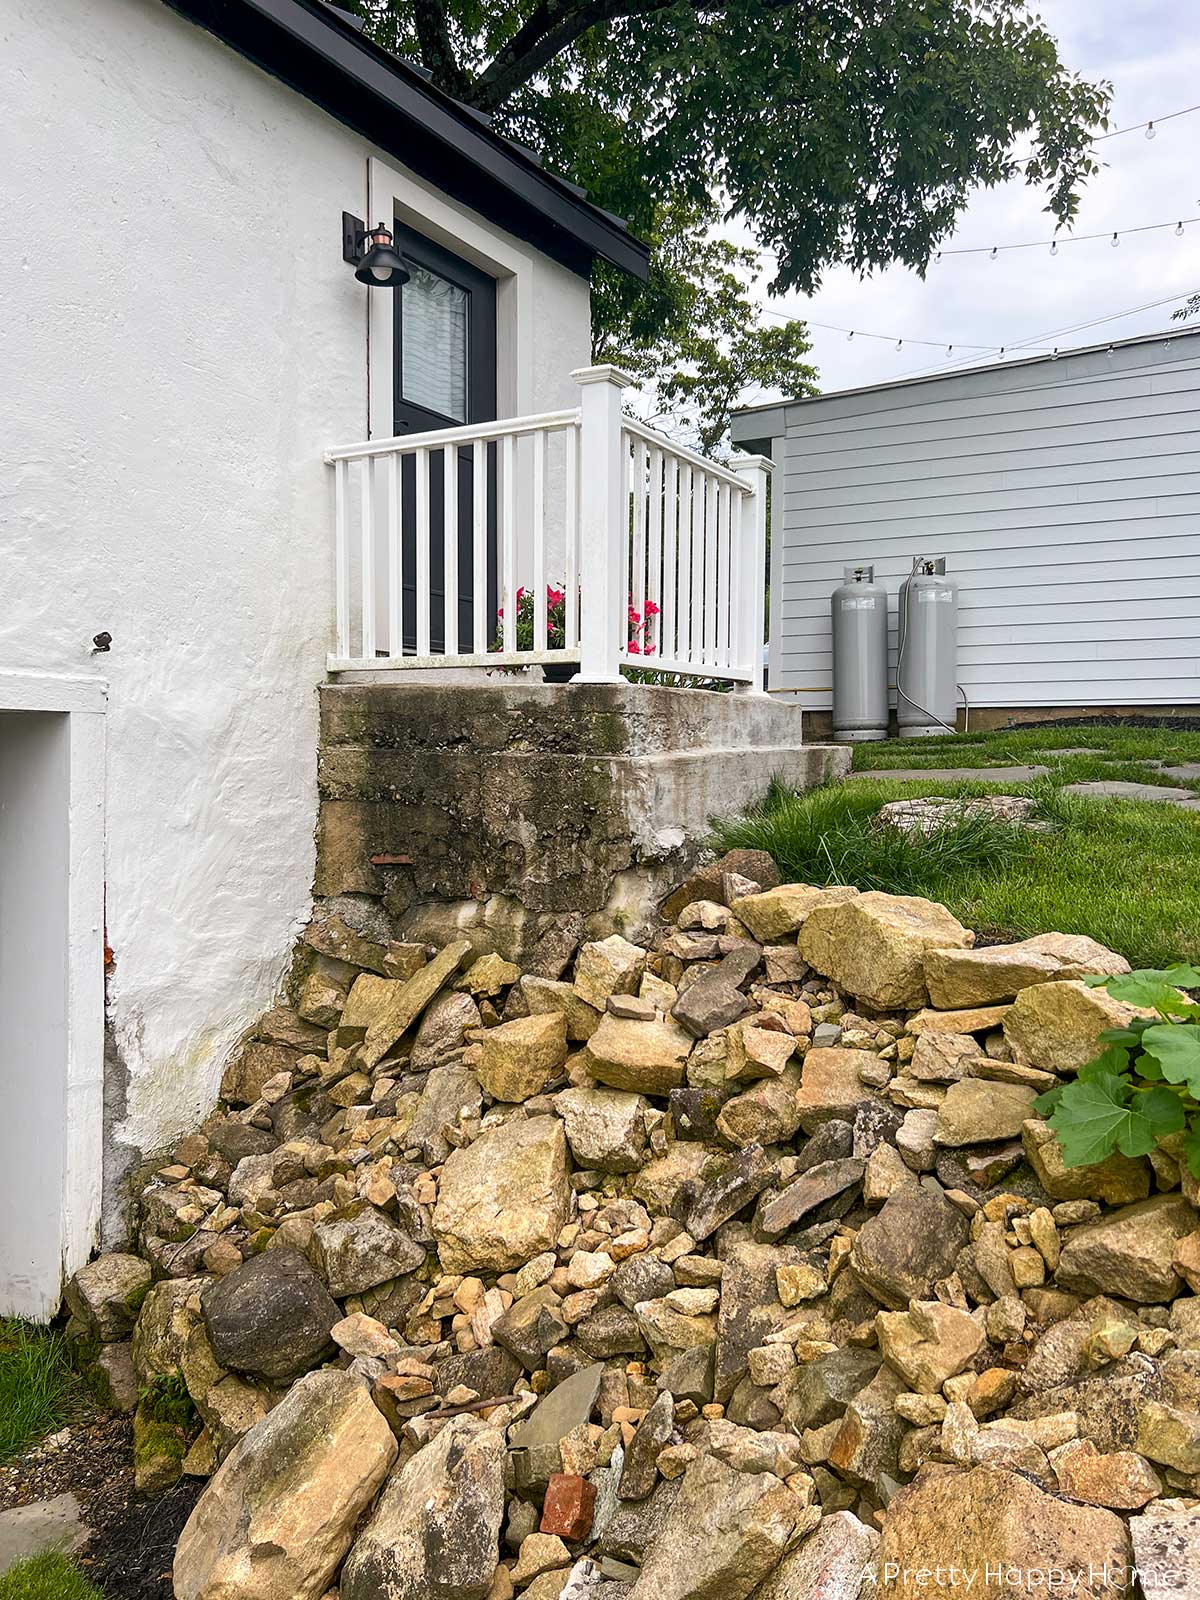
(1145,1085)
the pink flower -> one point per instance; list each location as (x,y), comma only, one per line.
(651,609)
(649,650)
(500,612)
(520,593)
(634,648)
(635,617)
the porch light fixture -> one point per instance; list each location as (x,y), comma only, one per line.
(378,265)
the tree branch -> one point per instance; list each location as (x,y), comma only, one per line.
(437,51)
(552,27)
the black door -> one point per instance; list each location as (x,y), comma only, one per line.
(445,377)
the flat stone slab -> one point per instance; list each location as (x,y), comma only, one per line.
(1186,772)
(1121,789)
(45,1525)
(955,774)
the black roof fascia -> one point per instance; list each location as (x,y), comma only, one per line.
(323,56)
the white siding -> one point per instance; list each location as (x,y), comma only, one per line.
(1065,496)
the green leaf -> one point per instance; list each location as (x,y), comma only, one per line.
(1047,1103)
(1090,1118)
(1162,1111)
(1112,1061)
(1176,1048)
(1155,987)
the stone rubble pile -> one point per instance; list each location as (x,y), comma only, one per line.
(737,1266)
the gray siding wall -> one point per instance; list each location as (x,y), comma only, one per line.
(1065,496)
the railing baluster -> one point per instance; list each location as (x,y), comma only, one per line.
(395,545)
(508,539)
(712,508)
(540,636)
(366,575)
(479,549)
(682,648)
(670,536)
(571,531)
(423,542)
(652,634)
(341,558)
(720,600)
(699,520)
(450,547)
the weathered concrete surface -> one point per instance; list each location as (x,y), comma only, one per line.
(550,799)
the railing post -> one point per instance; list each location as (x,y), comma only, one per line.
(603,523)
(754,471)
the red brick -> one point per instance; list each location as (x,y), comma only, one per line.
(568,1507)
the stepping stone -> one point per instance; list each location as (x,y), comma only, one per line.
(955,774)
(1082,750)
(1118,789)
(1188,772)
(45,1525)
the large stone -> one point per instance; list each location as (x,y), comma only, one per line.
(909,1246)
(277,1518)
(1117,1180)
(169,1313)
(707,882)
(720,1190)
(712,1001)
(271,1316)
(819,1391)
(643,1057)
(361,1249)
(873,946)
(1057,1026)
(991,1520)
(605,1128)
(929,1343)
(435,1533)
(1129,1253)
(830,1087)
(767,1113)
(959,978)
(553,994)
(775,913)
(978,1111)
(451,1094)
(780,1213)
(244,1077)
(443,1031)
(107,1295)
(608,966)
(503,1199)
(1122,1480)
(522,1058)
(399,1004)
(834,1563)
(1166,1546)
(723,1535)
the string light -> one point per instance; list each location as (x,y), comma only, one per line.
(1115,240)
(1119,133)
(1070,238)
(1179,230)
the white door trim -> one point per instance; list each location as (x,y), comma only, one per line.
(84,699)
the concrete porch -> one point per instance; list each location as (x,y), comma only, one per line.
(519,812)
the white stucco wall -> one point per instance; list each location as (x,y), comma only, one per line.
(180,341)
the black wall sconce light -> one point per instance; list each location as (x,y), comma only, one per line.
(376,264)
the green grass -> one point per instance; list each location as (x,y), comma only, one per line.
(1126,872)
(39,1391)
(1115,752)
(49,1576)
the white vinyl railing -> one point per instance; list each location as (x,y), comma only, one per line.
(578,536)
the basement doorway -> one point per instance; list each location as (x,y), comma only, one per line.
(51,985)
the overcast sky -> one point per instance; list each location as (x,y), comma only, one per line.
(1151,51)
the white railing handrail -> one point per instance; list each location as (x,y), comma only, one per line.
(663,441)
(469,433)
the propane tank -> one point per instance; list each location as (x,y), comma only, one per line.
(860,656)
(927,657)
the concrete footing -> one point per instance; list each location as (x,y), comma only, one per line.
(505,808)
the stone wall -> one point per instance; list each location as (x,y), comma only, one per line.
(512,807)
